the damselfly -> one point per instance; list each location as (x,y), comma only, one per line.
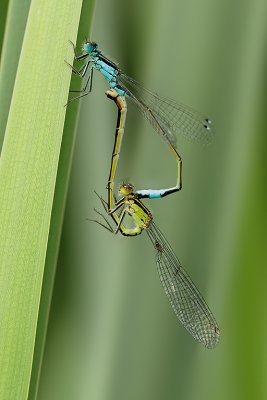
(187,302)
(166,116)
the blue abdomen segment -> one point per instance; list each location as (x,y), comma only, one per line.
(151,194)
(155,194)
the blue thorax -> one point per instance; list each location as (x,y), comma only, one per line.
(107,68)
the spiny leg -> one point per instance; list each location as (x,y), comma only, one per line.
(105,205)
(76,56)
(84,90)
(80,72)
(108,226)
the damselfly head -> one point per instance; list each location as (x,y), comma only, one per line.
(90,48)
(126,189)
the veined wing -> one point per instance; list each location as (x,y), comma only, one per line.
(187,302)
(167,116)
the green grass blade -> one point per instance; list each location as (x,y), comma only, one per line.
(63,174)
(3,16)
(14,31)
(27,180)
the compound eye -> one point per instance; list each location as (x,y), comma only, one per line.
(94,45)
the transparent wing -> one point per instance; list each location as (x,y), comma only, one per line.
(167,116)
(187,302)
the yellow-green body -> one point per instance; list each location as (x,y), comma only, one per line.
(139,214)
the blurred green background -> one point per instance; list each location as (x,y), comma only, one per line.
(112,333)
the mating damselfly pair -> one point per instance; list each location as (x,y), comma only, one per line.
(167,117)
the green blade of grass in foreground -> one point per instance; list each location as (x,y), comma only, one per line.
(14,32)
(3,16)
(57,215)
(28,171)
